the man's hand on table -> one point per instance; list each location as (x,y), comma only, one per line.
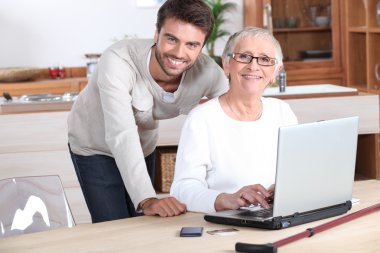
(165,207)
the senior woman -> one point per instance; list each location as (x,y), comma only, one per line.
(227,151)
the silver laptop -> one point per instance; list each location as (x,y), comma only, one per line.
(314,176)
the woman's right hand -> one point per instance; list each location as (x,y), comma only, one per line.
(251,194)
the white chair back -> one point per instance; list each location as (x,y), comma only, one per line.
(33,204)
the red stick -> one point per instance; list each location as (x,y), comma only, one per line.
(272,247)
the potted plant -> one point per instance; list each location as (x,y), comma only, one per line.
(219,9)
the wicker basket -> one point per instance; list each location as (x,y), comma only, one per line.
(18,74)
(165,168)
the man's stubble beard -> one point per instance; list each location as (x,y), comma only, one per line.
(163,67)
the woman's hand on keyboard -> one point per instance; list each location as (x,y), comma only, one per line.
(250,194)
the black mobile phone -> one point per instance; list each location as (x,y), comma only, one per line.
(191,231)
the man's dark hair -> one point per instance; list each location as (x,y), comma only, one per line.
(195,12)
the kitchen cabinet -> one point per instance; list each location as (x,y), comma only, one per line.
(35,144)
(362,32)
(54,86)
(312,50)
(75,80)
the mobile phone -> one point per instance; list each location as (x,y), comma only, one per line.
(191,231)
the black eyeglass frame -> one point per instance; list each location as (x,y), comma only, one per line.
(272,62)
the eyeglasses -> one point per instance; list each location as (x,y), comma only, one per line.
(247,58)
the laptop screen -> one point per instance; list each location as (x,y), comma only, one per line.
(315,165)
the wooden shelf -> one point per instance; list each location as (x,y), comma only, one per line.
(362,45)
(374,30)
(303,37)
(364,29)
(301,29)
(358,29)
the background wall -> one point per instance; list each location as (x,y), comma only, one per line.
(43,33)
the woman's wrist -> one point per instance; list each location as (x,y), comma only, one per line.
(219,202)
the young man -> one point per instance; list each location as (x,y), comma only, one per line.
(113,125)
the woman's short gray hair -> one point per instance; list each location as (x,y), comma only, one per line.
(255,32)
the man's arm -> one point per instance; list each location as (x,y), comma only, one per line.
(115,82)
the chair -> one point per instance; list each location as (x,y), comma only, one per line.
(33,204)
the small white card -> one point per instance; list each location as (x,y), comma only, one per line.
(223,232)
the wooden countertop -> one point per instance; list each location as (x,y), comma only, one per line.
(76,84)
(310,91)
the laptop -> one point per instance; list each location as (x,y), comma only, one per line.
(314,176)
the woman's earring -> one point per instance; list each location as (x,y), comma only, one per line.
(228,77)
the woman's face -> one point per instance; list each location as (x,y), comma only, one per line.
(252,78)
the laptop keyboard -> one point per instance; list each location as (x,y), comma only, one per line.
(258,212)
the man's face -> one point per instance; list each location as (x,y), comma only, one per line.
(178,46)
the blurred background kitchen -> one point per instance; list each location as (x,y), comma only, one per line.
(331,52)
(44,33)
